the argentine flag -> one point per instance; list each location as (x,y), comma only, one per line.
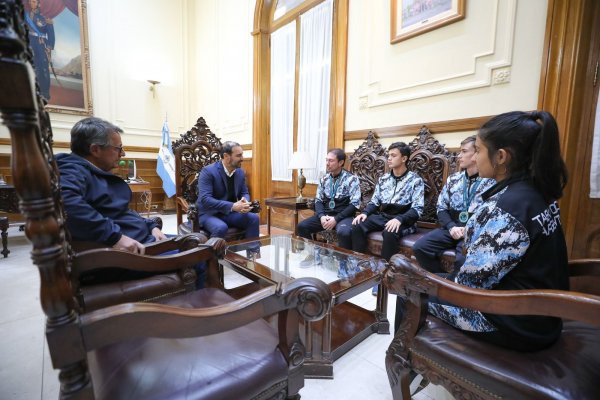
(165,165)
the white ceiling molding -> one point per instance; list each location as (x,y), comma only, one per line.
(488,67)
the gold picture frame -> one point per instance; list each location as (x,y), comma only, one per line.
(410,18)
(59,41)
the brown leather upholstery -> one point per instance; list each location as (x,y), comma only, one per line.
(375,240)
(469,368)
(193,151)
(111,352)
(241,363)
(568,370)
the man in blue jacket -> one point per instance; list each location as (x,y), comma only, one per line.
(97,201)
(223,197)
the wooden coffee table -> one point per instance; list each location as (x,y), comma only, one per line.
(284,257)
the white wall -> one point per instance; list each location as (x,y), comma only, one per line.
(222,66)
(488,63)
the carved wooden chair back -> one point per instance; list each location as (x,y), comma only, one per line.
(369,163)
(194,150)
(433,163)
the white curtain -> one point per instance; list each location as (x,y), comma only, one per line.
(595,167)
(283,65)
(313,92)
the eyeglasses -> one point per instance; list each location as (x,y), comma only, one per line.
(120,148)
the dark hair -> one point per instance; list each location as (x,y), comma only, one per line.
(91,131)
(534,148)
(402,147)
(339,154)
(470,139)
(227,147)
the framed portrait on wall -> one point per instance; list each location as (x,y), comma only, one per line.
(59,42)
(410,18)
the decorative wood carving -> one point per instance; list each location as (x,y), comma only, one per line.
(194,150)
(38,188)
(430,159)
(369,163)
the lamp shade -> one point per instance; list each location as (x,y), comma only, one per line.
(301,160)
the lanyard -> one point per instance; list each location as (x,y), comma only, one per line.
(335,183)
(468,195)
(333,187)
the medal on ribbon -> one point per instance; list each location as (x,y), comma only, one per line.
(335,183)
(463,217)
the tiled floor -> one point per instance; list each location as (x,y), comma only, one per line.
(26,371)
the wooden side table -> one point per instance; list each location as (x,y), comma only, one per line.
(287,203)
(9,203)
(143,188)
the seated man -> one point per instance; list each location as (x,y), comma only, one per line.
(459,199)
(223,197)
(395,207)
(336,202)
(96,201)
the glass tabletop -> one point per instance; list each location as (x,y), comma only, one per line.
(282,257)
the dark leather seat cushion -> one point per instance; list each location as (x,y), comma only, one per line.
(240,363)
(231,235)
(569,369)
(98,296)
(407,241)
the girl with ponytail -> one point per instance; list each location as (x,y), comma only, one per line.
(515,239)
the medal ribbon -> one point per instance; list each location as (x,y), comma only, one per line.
(468,195)
(333,187)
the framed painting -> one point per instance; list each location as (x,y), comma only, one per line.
(414,17)
(59,42)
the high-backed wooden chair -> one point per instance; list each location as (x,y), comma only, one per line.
(193,151)
(202,344)
(429,159)
(472,369)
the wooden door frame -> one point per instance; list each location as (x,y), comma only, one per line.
(261,135)
(562,92)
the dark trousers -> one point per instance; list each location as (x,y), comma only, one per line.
(430,247)
(376,222)
(217,225)
(312,225)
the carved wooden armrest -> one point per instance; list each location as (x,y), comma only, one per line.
(183,203)
(307,298)
(407,279)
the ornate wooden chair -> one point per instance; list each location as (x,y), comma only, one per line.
(430,159)
(194,150)
(202,344)
(471,369)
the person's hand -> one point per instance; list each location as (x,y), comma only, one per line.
(241,206)
(457,232)
(128,244)
(358,219)
(158,235)
(328,222)
(393,225)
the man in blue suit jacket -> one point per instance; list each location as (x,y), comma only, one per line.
(223,197)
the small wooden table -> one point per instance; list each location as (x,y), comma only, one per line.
(9,203)
(282,258)
(143,188)
(287,203)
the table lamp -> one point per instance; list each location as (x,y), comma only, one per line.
(301,160)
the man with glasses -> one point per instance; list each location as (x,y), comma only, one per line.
(97,201)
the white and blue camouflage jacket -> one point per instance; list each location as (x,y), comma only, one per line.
(513,241)
(346,196)
(405,193)
(451,201)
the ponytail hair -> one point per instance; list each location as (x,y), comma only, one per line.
(533,143)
